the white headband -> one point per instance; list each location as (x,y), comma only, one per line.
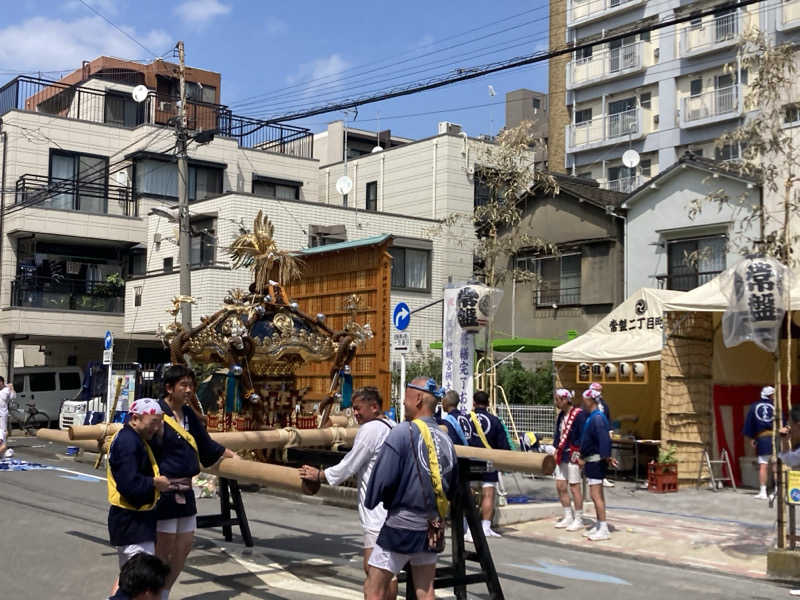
(146,406)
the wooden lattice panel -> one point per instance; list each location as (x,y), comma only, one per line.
(328,280)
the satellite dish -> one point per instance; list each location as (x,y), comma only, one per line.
(139,93)
(377,149)
(630,158)
(344,185)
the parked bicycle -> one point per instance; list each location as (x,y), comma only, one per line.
(29,420)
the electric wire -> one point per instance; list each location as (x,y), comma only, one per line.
(118,28)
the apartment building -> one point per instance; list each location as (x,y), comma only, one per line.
(661,93)
(82,166)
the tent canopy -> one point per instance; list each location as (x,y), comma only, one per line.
(709,297)
(630,332)
(515,344)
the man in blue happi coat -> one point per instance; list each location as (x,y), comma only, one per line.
(758,427)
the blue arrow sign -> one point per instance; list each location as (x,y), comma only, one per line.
(108,341)
(401,316)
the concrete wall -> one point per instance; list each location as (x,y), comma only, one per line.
(559,114)
(662,214)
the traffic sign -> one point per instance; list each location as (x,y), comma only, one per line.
(108,356)
(401,316)
(400,342)
(108,341)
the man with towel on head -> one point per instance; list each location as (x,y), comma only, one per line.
(758,427)
(567,439)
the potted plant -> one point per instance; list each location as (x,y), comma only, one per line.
(662,474)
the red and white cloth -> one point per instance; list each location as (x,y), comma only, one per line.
(146,406)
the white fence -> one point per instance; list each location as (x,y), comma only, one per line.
(541,419)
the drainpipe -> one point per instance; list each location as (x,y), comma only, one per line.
(2,201)
(383,164)
(433,193)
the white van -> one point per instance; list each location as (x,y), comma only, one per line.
(47,387)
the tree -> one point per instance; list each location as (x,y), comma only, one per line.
(427,365)
(526,387)
(507,174)
(769,153)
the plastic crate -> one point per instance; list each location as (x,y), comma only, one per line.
(662,479)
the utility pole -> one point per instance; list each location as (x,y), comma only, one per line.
(184,225)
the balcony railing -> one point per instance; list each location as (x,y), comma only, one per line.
(685,282)
(97,197)
(789,16)
(624,184)
(715,33)
(715,105)
(606,64)
(114,107)
(64,294)
(605,130)
(582,11)
(550,296)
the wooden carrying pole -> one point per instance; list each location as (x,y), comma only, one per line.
(509,460)
(243,440)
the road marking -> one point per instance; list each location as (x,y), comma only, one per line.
(81,478)
(571,573)
(79,474)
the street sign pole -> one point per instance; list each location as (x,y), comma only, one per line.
(402,387)
(108,358)
(401,317)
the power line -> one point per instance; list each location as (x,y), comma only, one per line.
(118,28)
(481,71)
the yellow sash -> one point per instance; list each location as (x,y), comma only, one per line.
(182,432)
(442,504)
(114,497)
(474,418)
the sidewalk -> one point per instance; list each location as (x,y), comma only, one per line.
(722,531)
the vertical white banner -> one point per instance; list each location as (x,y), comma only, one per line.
(458,352)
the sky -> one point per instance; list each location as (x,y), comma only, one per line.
(278,57)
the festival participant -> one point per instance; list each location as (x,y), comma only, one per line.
(487,432)
(414,477)
(454,420)
(142,578)
(374,428)
(7,394)
(758,427)
(595,456)
(567,438)
(603,406)
(134,482)
(183,447)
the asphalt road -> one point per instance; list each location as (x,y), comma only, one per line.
(54,542)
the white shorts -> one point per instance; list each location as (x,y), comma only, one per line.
(125,553)
(568,471)
(488,484)
(3,428)
(590,481)
(182,525)
(764,459)
(370,537)
(395,561)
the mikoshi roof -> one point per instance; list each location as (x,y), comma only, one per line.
(709,297)
(630,332)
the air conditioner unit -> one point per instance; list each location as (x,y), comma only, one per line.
(449,128)
(164,106)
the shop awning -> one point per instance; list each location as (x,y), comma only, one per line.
(630,332)
(709,298)
(517,344)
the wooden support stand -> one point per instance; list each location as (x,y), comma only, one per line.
(455,576)
(229,498)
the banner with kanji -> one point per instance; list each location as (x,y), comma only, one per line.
(458,351)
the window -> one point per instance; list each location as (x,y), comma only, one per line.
(481,192)
(200,93)
(43,382)
(645,100)
(280,189)
(559,278)
(19,383)
(696,87)
(83,179)
(344,200)
(168,262)
(411,268)
(203,242)
(583,116)
(69,381)
(693,262)
(583,54)
(696,22)
(727,152)
(123,110)
(645,167)
(537,104)
(372,195)
(791,113)
(160,178)
(324,235)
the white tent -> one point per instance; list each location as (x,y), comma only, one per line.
(709,297)
(630,332)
